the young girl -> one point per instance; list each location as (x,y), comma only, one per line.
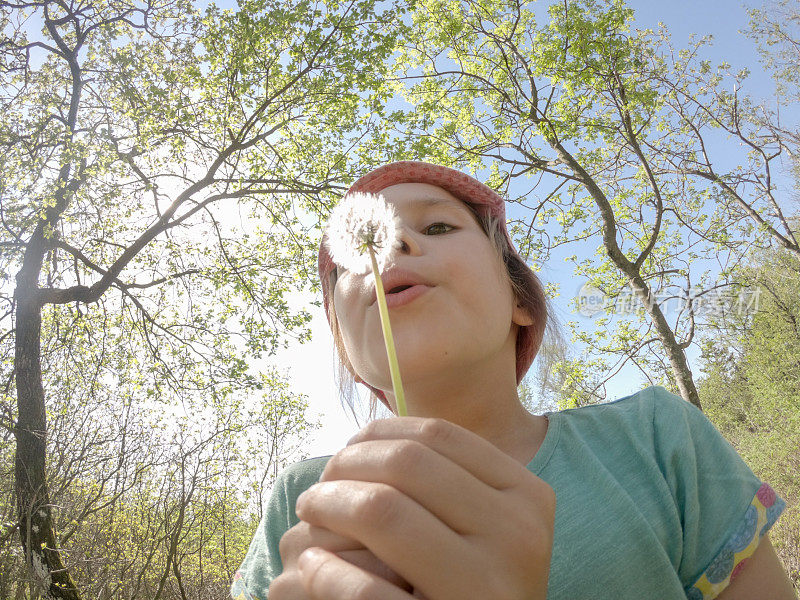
(473,497)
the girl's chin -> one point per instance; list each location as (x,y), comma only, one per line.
(412,372)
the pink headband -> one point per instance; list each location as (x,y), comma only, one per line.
(467,189)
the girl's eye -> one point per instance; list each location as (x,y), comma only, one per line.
(437,228)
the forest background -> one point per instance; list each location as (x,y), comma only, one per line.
(166,167)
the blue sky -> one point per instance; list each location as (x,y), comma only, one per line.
(720,18)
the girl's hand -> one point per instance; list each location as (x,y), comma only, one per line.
(289,585)
(444,508)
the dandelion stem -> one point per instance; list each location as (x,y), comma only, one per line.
(394,368)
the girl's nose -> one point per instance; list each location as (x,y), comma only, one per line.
(408,242)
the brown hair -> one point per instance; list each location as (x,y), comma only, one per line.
(527,288)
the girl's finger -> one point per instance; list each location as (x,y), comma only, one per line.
(287,586)
(304,535)
(421,473)
(367,561)
(398,530)
(473,453)
(325,576)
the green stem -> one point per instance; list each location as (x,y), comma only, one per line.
(394,367)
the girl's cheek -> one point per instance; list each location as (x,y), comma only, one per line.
(340,291)
(352,288)
(347,298)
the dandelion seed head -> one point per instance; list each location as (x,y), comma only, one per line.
(359,221)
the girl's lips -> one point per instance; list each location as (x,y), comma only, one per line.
(406,296)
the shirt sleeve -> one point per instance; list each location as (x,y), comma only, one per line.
(262,563)
(725,509)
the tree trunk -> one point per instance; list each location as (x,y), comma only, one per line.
(677,357)
(38,535)
(676,354)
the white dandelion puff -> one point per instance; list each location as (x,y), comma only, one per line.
(359,221)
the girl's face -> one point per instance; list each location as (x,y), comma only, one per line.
(463,311)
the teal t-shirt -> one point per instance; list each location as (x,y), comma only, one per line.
(651,502)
